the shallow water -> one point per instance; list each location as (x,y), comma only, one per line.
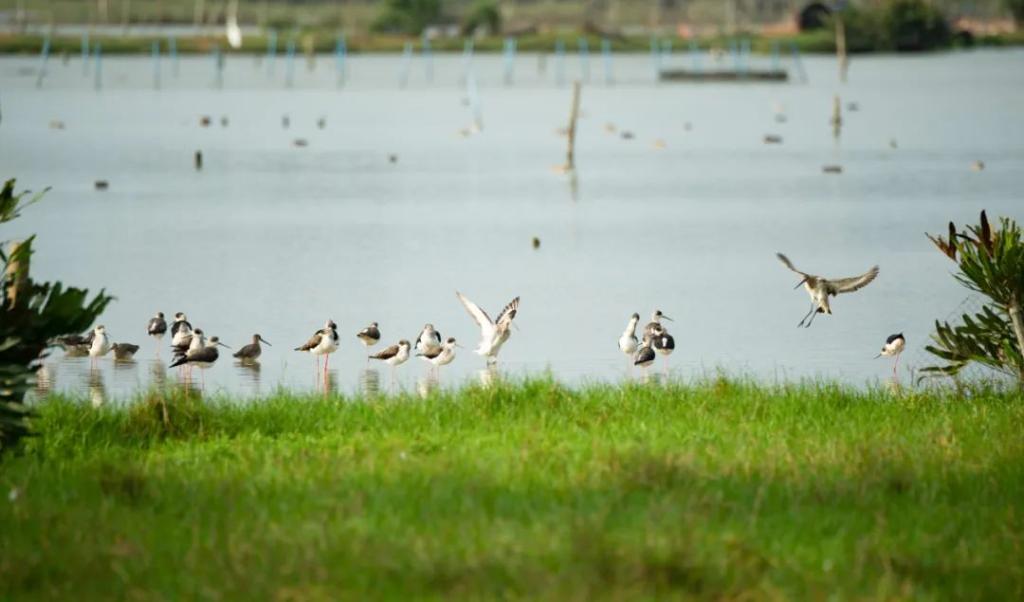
(272,238)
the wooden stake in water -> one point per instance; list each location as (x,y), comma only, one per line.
(218,65)
(289,63)
(98,66)
(341,52)
(584,48)
(156,64)
(606,55)
(837,117)
(797,63)
(271,51)
(559,62)
(85,53)
(172,51)
(44,57)
(841,48)
(403,74)
(570,157)
(510,61)
(428,58)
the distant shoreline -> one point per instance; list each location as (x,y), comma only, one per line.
(820,42)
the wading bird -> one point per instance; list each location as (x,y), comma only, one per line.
(195,339)
(444,356)
(663,343)
(645,353)
(157,326)
(370,335)
(628,342)
(820,289)
(493,334)
(395,355)
(204,357)
(252,351)
(100,345)
(124,352)
(893,347)
(180,329)
(655,322)
(323,342)
(429,340)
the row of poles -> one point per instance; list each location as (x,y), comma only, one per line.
(661,52)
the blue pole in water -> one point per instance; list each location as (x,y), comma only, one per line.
(559,62)
(156,65)
(218,65)
(403,77)
(467,59)
(85,53)
(289,63)
(428,59)
(341,51)
(797,62)
(584,48)
(775,55)
(745,55)
(172,51)
(98,67)
(44,57)
(606,54)
(510,60)
(695,56)
(271,51)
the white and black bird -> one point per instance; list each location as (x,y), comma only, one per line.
(820,289)
(893,347)
(628,342)
(157,326)
(204,357)
(395,355)
(655,322)
(180,329)
(663,343)
(429,340)
(370,335)
(75,345)
(100,344)
(493,333)
(323,342)
(124,352)
(194,339)
(645,355)
(252,351)
(442,357)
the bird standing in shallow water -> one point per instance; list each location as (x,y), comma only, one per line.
(493,334)
(157,326)
(203,357)
(323,342)
(820,289)
(100,345)
(124,352)
(429,340)
(252,351)
(444,356)
(655,322)
(180,329)
(893,347)
(663,343)
(645,353)
(628,342)
(369,336)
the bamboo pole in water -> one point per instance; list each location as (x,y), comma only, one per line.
(570,158)
(841,48)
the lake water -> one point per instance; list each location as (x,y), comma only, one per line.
(274,238)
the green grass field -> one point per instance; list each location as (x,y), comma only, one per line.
(527,490)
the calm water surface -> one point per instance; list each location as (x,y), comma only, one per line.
(273,238)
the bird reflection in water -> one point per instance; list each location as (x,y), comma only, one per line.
(427,384)
(249,373)
(157,374)
(489,376)
(369,382)
(329,383)
(45,379)
(97,388)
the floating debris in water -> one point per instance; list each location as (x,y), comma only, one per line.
(101,184)
(610,128)
(199,160)
(536,242)
(224,121)
(772,139)
(852,106)
(832,169)
(205,121)
(300,142)
(659,144)
(893,143)
(56,124)
(687,126)
(392,158)
(285,121)
(321,123)
(978,166)
(627,135)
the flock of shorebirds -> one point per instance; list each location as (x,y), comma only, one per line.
(191,347)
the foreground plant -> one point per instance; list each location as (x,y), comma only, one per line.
(31,315)
(990,262)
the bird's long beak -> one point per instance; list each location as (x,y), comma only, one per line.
(799,284)
(223,345)
(877,356)
(459,346)
(265,341)
(516,326)
(667,318)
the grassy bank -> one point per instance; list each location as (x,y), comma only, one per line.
(813,42)
(530,490)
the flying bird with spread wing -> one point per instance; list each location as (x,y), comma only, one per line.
(820,288)
(493,333)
